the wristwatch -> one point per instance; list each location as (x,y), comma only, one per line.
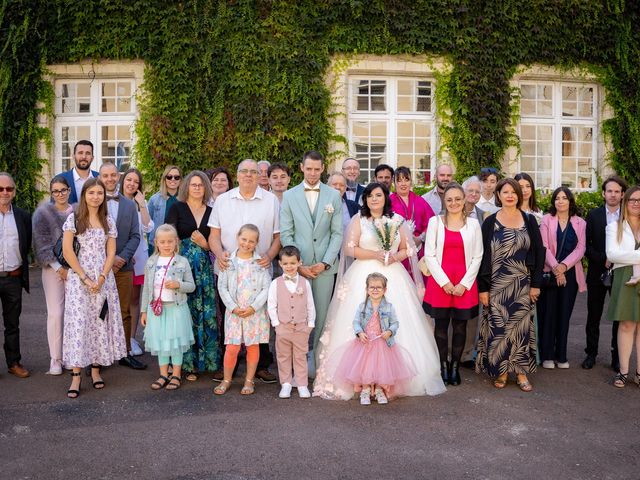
(326,266)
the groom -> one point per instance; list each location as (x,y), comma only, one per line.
(311,219)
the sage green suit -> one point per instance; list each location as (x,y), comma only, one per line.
(318,236)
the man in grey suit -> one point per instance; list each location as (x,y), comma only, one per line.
(311,219)
(125,213)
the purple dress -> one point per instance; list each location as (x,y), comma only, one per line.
(87,338)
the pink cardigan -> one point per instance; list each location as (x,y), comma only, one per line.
(548,230)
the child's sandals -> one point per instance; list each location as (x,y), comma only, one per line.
(174,383)
(222,387)
(500,382)
(160,383)
(249,387)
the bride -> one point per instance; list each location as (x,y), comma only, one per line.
(415,332)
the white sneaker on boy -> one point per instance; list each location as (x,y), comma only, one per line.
(285,391)
(304,392)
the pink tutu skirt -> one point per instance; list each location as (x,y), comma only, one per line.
(360,364)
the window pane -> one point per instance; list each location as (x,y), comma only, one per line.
(370,95)
(116,145)
(413,147)
(69,136)
(369,141)
(74,98)
(116,97)
(404,104)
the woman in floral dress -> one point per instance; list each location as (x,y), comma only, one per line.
(190,215)
(90,337)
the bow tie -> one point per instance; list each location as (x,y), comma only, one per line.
(115,198)
(287,278)
(351,189)
(316,189)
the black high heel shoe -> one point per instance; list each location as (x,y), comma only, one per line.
(75,393)
(97,384)
(454,374)
(444,371)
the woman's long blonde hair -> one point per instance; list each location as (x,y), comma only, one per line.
(623,210)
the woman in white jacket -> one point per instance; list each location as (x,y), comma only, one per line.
(453,253)
(623,250)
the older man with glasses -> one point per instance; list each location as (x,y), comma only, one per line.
(247,203)
(15,240)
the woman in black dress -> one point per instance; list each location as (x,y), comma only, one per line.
(190,215)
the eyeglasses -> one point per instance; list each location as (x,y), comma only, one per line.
(375,288)
(59,192)
(196,185)
(246,171)
(634,201)
(7,189)
(173,177)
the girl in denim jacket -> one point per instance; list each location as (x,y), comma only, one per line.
(372,362)
(244,289)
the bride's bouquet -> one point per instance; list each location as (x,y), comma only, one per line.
(387,230)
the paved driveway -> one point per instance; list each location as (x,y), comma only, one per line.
(574,425)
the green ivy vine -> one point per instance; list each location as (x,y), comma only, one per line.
(227,80)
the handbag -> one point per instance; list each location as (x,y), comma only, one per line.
(57,247)
(422,264)
(607,277)
(156,305)
(548,278)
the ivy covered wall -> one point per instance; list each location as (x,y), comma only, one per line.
(232,79)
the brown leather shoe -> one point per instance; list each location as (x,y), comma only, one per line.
(266,376)
(19,371)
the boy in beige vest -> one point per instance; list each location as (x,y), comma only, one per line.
(293,315)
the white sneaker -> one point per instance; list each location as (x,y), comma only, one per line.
(549,364)
(381,398)
(136,350)
(55,368)
(285,391)
(563,364)
(304,392)
(365,397)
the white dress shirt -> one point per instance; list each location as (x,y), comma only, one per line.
(231,211)
(78,181)
(112,207)
(10,258)
(612,217)
(488,206)
(312,197)
(272,302)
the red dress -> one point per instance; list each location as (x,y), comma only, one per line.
(439,304)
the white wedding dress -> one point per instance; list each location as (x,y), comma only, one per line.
(415,331)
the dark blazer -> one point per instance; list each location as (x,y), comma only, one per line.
(128,231)
(359,190)
(352,206)
(596,244)
(68,175)
(535,255)
(23,224)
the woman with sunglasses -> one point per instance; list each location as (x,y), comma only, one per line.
(47,228)
(161,201)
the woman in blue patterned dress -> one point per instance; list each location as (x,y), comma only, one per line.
(190,215)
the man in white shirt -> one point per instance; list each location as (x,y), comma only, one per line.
(15,241)
(247,203)
(82,157)
(434,197)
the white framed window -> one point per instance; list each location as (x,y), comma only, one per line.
(100,110)
(391,120)
(558,130)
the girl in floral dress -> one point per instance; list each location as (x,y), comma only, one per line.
(90,337)
(244,288)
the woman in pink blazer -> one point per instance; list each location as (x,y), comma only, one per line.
(564,237)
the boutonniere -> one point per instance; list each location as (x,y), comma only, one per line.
(299,291)
(328,208)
